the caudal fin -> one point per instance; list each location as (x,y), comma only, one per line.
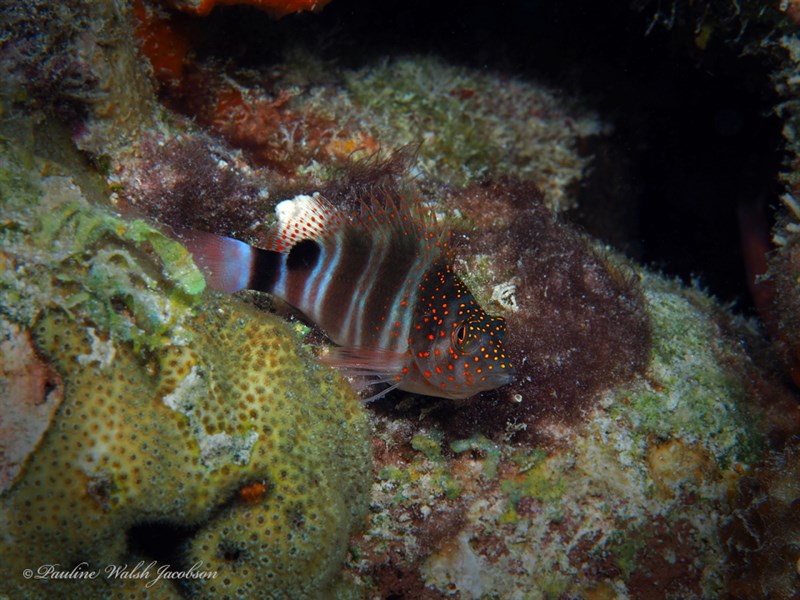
(227,263)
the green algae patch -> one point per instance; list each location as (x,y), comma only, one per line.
(450,486)
(624,545)
(394,474)
(696,386)
(430,445)
(178,264)
(434,474)
(60,251)
(485,446)
(540,483)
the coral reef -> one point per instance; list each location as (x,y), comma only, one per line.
(147,421)
(760,534)
(535,134)
(296,127)
(209,426)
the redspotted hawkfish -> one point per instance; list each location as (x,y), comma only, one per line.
(377,277)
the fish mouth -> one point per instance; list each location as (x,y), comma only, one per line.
(507,378)
(496,380)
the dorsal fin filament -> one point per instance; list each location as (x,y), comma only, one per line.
(302,218)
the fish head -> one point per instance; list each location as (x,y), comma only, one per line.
(466,357)
(477,353)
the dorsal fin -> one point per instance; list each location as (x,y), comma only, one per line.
(388,216)
(302,218)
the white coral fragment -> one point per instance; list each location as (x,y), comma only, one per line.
(218,449)
(504,294)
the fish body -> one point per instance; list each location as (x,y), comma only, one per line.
(376,275)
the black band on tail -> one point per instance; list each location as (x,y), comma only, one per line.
(266,267)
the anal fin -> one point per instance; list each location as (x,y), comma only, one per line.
(368,366)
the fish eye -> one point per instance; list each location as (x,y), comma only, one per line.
(461,338)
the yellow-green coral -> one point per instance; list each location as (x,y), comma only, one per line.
(189,414)
(174,439)
(313,455)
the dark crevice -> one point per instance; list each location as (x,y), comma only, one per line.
(162,541)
